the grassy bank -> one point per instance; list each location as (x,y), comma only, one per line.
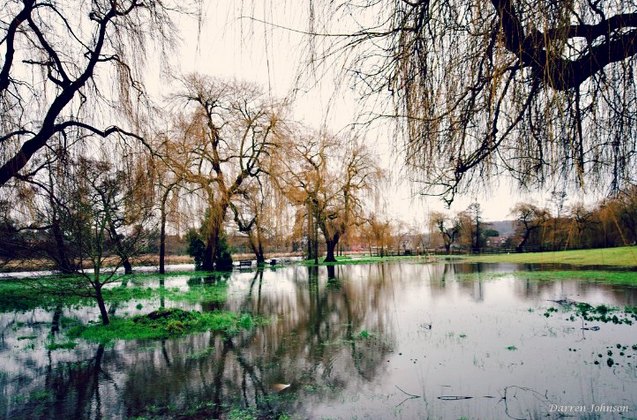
(612,257)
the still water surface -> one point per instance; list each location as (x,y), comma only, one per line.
(399,340)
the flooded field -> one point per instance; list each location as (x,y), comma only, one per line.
(398,340)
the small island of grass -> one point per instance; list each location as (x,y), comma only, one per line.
(164,323)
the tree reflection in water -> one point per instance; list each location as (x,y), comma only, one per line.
(330,336)
(312,343)
(75,389)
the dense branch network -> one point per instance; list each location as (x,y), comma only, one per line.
(54,60)
(542,90)
(222,143)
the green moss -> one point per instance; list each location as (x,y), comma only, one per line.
(618,277)
(164,323)
(124,294)
(50,292)
(364,334)
(246,322)
(606,314)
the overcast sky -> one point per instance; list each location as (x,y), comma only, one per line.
(226,44)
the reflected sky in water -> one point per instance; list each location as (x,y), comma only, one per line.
(395,340)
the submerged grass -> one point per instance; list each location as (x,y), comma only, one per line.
(208,293)
(599,313)
(616,277)
(349,260)
(65,345)
(48,293)
(15,296)
(620,257)
(601,276)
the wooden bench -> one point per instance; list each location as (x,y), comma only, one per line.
(245,263)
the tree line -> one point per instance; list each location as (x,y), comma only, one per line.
(609,223)
(229,161)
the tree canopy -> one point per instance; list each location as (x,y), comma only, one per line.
(542,90)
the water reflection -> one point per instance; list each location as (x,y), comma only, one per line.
(379,341)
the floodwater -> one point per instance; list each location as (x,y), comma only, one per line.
(394,340)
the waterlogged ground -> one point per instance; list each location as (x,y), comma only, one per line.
(397,340)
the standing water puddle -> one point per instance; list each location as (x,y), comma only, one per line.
(365,341)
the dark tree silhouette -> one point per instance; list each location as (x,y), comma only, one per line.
(56,62)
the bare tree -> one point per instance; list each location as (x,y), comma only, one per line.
(252,208)
(225,139)
(581,220)
(55,59)
(530,218)
(449,229)
(168,184)
(358,175)
(329,178)
(628,214)
(543,89)
(378,234)
(101,227)
(476,228)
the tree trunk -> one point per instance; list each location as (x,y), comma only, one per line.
(254,238)
(331,246)
(260,255)
(128,267)
(520,246)
(63,262)
(101,304)
(257,249)
(162,298)
(316,243)
(162,237)
(212,244)
(310,231)
(525,238)
(121,251)
(216,224)
(209,256)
